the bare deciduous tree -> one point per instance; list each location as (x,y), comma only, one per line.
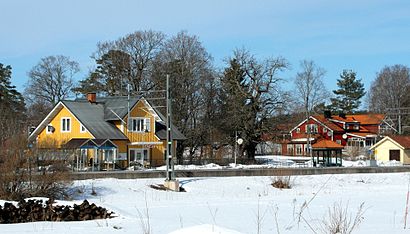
(189,66)
(310,89)
(390,89)
(127,60)
(51,80)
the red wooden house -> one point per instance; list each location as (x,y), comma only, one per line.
(359,131)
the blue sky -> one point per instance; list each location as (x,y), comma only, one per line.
(360,35)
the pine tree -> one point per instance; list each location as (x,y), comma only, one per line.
(350,91)
(12,106)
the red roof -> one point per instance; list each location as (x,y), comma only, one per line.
(326,144)
(328,124)
(402,140)
(364,119)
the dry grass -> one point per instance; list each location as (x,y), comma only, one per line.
(19,177)
(282,182)
(339,220)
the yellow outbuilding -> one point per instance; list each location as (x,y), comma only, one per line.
(393,148)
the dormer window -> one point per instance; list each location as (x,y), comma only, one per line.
(140,125)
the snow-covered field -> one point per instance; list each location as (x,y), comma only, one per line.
(236,205)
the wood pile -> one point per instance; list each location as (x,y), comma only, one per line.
(35,210)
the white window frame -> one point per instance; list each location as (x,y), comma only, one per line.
(139,150)
(290,149)
(82,129)
(47,130)
(67,126)
(299,149)
(313,128)
(136,126)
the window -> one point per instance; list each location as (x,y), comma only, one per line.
(109,155)
(298,149)
(290,149)
(82,129)
(297,130)
(140,125)
(324,130)
(312,128)
(66,124)
(339,142)
(138,155)
(50,129)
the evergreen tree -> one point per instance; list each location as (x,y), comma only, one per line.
(350,91)
(12,106)
(249,97)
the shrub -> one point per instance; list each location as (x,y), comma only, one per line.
(20,179)
(282,182)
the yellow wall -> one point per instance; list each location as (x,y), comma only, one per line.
(382,152)
(58,138)
(406,156)
(140,110)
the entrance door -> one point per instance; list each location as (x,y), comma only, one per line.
(394,155)
(138,155)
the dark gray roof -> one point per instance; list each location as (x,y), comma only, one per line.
(161,129)
(97,114)
(91,115)
(114,107)
(119,105)
(161,132)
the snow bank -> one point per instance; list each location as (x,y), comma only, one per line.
(204,229)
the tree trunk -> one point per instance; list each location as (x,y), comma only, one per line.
(250,151)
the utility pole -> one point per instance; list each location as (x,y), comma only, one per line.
(170,181)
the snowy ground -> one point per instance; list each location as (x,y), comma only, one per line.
(231,205)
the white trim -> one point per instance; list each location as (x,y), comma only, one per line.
(386,138)
(36,131)
(149,107)
(323,125)
(145,143)
(316,120)
(144,127)
(44,120)
(352,134)
(302,139)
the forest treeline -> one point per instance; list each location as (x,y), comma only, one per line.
(209,103)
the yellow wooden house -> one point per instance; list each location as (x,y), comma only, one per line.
(110,132)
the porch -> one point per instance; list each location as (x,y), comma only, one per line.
(93,154)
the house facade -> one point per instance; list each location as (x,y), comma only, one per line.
(393,148)
(354,132)
(106,132)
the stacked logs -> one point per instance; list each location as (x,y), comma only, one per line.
(35,210)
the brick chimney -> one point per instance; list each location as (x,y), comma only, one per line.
(92,97)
